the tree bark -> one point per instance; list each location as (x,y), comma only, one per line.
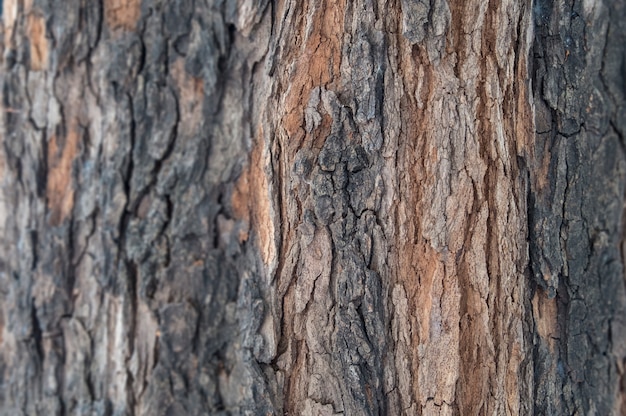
(361,207)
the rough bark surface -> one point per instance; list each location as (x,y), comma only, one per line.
(313,207)
(576,222)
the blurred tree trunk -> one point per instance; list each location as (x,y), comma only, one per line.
(312,207)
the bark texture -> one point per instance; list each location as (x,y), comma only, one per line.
(368,207)
(576,222)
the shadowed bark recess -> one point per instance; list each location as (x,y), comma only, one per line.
(368,207)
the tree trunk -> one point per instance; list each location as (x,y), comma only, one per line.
(404,207)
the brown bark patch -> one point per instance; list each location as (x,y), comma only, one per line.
(241,198)
(545,312)
(542,165)
(190,97)
(36,27)
(524,122)
(426,267)
(59,191)
(319,65)
(9,14)
(122,14)
(251,201)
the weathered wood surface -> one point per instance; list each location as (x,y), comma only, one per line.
(312,207)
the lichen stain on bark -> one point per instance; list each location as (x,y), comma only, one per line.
(36,27)
(251,201)
(59,190)
(122,14)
